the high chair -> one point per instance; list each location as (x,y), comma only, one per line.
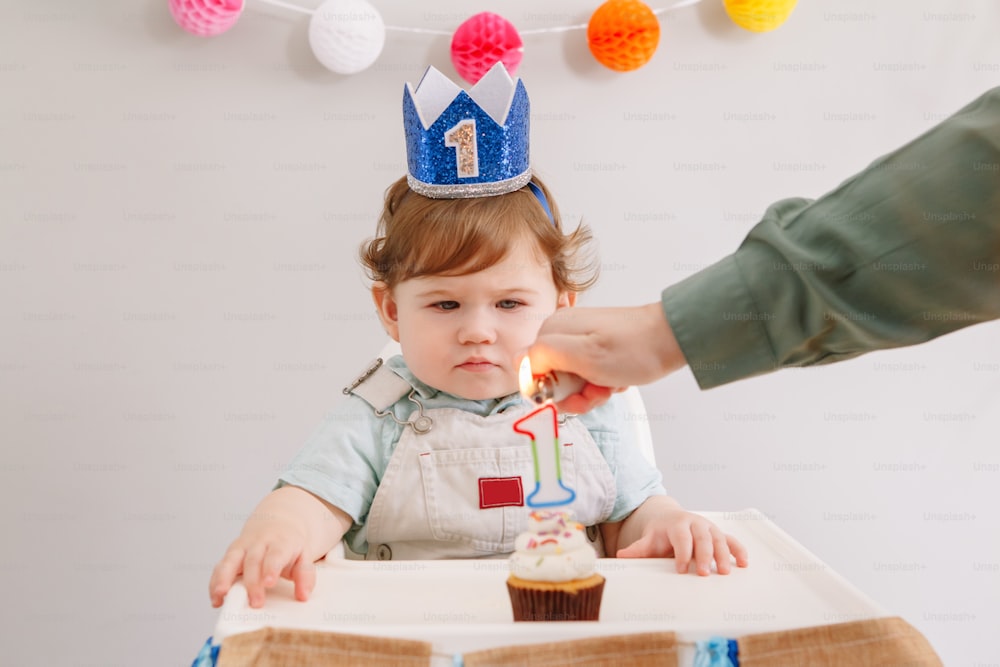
(446,612)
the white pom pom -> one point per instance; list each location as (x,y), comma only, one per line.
(346,35)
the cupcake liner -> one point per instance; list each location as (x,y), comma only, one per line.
(536,604)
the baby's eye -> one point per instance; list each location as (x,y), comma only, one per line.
(446,305)
(509,304)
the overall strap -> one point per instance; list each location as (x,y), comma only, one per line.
(379,386)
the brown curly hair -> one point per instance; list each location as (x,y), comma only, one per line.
(419,236)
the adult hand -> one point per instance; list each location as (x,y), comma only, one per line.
(611,348)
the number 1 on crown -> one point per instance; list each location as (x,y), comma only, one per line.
(463,138)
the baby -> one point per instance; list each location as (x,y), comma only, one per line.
(421,460)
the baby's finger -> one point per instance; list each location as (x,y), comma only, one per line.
(275,562)
(683,544)
(739,551)
(720,546)
(702,534)
(304,575)
(224,575)
(252,576)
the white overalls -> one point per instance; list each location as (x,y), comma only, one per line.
(456,483)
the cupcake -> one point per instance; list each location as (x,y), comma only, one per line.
(552,575)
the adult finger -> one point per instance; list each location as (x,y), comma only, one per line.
(587,399)
(562,352)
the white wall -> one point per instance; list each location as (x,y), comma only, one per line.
(181,301)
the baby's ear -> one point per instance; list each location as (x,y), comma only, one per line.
(566,300)
(386,307)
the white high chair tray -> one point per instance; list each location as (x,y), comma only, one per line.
(462,605)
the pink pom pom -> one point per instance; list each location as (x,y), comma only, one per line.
(481,42)
(206,18)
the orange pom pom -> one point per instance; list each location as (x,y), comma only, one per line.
(623,34)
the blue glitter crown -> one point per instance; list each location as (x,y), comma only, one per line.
(466,144)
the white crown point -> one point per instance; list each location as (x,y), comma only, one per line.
(495,92)
(432,95)
(435,92)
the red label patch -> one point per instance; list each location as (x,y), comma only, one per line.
(500,492)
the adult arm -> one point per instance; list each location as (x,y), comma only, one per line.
(905,251)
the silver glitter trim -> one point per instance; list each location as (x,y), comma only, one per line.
(468,190)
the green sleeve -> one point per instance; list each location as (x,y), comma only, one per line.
(905,251)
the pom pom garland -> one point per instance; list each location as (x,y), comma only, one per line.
(347,36)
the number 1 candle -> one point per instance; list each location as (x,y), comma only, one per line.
(542,426)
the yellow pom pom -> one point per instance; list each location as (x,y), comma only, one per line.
(759,15)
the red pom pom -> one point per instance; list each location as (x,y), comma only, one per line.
(481,42)
(206,18)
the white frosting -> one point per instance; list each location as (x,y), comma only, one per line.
(554,548)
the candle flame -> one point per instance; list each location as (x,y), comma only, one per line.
(525,378)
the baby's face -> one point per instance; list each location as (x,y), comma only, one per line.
(465,334)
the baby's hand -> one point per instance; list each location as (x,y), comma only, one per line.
(680,534)
(290,529)
(264,551)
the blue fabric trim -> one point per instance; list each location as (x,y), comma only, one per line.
(716,652)
(207,656)
(540,196)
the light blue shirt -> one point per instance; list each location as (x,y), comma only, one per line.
(344,460)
